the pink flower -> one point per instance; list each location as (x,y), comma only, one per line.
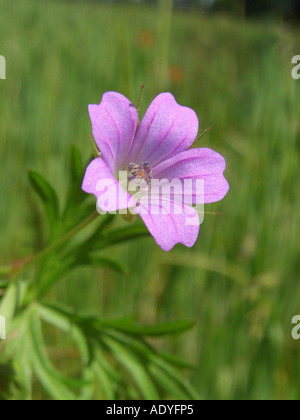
(157,149)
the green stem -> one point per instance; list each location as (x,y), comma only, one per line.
(52,247)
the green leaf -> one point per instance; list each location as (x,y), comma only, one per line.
(48,196)
(69,262)
(123,339)
(41,364)
(135,367)
(22,357)
(111,380)
(50,277)
(106,383)
(128,326)
(63,322)
(79,252)
(101,238)
(113,373)
(176,361)
(75,195)
(119,236)
(100,261)
(88,390)
(176,377)
(106,221)
(168,384)
(150,356)
(55,383)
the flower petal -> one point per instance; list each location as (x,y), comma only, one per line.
(181,225)
(166,129)
(114,123)
(98,180)
(203,164)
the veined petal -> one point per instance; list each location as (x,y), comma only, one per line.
(114,123)
(99,180)
(203,164)
(168,228)
(166,129)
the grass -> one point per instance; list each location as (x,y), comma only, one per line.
(240,283)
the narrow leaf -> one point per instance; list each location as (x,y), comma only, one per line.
(168,384)
(75,195)
(100,261)
(135,367)
(119,236)
(176,377)
(64,323)
(47,194)
(129,326)
(41,365)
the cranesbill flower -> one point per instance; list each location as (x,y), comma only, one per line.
(155,149)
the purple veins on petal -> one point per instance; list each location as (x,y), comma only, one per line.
(166,129)
(114,123)
(158,150)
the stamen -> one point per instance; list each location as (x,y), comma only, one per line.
(203,133)
(140,173)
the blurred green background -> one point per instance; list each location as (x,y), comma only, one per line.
(240,283)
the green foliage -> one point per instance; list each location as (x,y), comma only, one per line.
(112,352)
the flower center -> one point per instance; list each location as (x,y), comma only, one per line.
(140,173)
